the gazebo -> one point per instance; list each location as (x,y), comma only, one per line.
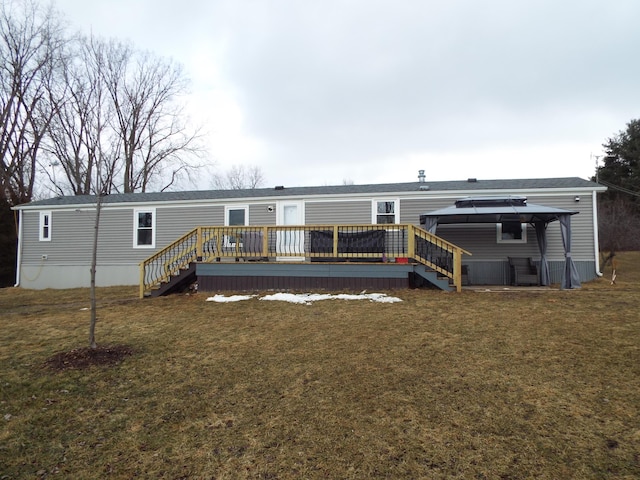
(512,209)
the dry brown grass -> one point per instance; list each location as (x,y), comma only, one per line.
(472,385)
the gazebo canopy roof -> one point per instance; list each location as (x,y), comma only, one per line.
(494,210)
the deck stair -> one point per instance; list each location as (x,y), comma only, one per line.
(410,248)
(175,283)
(433,277)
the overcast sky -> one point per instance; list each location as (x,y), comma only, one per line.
(366,91)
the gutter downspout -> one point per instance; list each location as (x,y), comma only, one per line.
(595,233)
(19,252)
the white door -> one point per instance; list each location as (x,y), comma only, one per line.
(290,242)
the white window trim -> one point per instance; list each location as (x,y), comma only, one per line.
(41,237)
(228,208)
(136,211)
(374,209)
(499,238)
(227,243)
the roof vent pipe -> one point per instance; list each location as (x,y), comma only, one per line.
(421,177)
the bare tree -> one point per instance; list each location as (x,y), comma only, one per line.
(31,48)
(117,127)
(80,140)
(103,114)
(94,256)
(78,134)
(149,122)
(239,177)
(143,137)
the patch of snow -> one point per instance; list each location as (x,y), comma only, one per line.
(382,298)
(288,297)
(307,298)
(232,298)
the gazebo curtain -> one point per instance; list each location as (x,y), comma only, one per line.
(431,223)
(570,277)
(541,235)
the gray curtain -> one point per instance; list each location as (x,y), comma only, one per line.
(541,235)
(570,277)
(430,224)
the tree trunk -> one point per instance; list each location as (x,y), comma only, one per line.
(94,258)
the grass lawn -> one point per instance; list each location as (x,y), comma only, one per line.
(507,385)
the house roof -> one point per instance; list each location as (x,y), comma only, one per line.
(468,186)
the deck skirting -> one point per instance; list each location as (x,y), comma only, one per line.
(246,276)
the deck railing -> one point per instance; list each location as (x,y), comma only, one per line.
(315,243)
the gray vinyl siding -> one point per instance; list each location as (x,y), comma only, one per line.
(31,246)
(116,230)
(72,233)
(173,222)
(259,214)
(481,241)
(71,239)
(342,212)
(412,208)
(582,233)
(177,220)
(115,240)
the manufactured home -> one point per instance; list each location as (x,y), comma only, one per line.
(347,236)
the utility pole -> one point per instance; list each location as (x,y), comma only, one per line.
(597,157)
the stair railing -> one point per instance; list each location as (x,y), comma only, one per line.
(438,254)
(165,263)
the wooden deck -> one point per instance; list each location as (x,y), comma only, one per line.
(332,257)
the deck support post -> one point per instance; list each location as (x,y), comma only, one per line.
(411,242)
(141,292)
(199,243)
(457,269)
(265,241)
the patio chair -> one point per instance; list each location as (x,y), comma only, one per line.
(523,271)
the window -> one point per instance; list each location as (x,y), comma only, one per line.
(511,232)
(385,211)
(45,227)
(144,228)
(235,216)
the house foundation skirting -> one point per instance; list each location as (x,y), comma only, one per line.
(51,275)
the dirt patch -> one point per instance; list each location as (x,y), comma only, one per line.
(79,358)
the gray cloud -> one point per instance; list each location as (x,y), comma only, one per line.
(349,86)
(364,79)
